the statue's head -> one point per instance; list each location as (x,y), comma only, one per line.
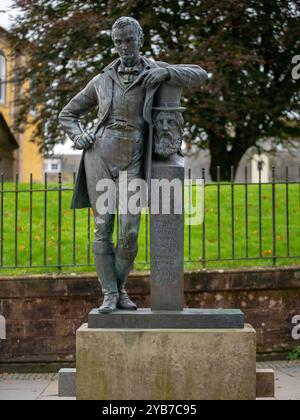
(128,38)
(168,126)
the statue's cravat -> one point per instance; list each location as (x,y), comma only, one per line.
(129,74)
(129,70)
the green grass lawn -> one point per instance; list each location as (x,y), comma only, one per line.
(228,243)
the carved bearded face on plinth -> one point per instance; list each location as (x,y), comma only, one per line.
(168,127)
(167,120)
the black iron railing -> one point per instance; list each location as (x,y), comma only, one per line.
(243,223)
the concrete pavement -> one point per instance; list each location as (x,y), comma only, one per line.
(22,386)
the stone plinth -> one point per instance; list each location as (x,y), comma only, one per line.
(167,235)
(188,318)
(162,364)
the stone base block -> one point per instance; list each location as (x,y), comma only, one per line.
(265,383)
(67,383)
(162,364)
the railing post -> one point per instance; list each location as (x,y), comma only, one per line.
(219,210)
(147,235)
(88,237)
(16,218)
(30,219)
(190,191)
(287,211)
(45,217)
(204,225)
(232,213)
(59,219)
(74,225)
(246,213)
(260,211)
(274,216)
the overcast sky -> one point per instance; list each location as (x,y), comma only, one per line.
(6,14)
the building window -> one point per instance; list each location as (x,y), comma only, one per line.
(2,77)
(53,166)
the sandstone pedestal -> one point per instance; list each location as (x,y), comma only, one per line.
(166,364)
(167,352)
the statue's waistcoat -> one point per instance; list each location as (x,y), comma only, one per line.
(127,105)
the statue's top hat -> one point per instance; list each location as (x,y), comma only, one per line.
(168,98)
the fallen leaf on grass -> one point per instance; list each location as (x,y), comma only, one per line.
(267,252)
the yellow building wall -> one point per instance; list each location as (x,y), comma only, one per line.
(31,160)
(7,108)
(28,158)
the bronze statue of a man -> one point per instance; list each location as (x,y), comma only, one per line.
(122,141)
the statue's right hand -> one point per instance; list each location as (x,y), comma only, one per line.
(83,141)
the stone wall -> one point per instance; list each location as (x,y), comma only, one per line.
(43,312)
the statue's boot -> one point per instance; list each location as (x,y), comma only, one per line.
(105,266)
(123,268)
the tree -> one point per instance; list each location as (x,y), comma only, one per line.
(246,46)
